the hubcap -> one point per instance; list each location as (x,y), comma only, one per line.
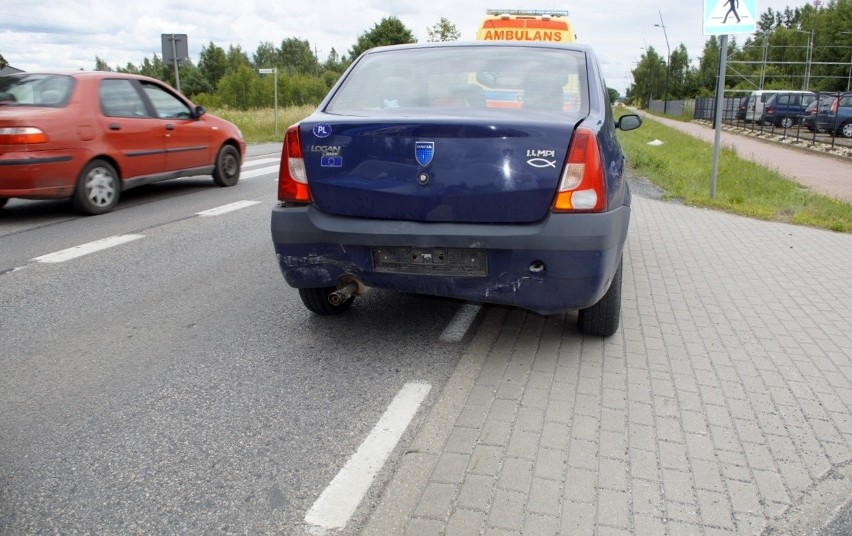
(229,165)
(100,189)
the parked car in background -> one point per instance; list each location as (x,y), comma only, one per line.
(742,107)
(755,104)
(89,136)
(485,171)
(837,116)
(786,109)
(809,117)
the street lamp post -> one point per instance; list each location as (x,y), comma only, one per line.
(668,62)
(807,81)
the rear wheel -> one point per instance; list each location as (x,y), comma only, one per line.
(602,318)
(98,188)
(846,129)
(227,170)
(787,122)
(316,300)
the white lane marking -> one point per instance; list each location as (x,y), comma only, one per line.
(252,163)
(258,172)
(224,209)
(85,249)
(458,326)
(337,503)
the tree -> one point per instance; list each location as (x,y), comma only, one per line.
(213,63)
(295,55)
(236,89)
(101,65)
(443,30)
(265,56)
(236,59)
(613,94)
(390,31)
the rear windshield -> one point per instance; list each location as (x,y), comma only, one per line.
(35,90)
(419,80)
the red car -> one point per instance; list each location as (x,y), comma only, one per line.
(89,136)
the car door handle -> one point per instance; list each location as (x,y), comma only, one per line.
(170,126)
(114,126)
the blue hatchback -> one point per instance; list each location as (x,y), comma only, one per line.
(481,171)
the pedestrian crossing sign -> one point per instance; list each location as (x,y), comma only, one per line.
(725,17)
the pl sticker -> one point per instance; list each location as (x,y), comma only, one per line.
(322,130)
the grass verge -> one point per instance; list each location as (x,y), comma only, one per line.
(258,126)
(681,167)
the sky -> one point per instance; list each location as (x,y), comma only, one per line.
(70,34)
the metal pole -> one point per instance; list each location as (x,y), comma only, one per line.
(275,72)
(720,93)
(810,57)
(763,65)
(668,61)
(174,58)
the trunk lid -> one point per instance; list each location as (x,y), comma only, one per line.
(435,169)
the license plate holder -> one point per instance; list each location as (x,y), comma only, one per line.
(454,262)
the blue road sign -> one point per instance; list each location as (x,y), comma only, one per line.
(726,17)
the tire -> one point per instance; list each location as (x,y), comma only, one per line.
(227,169)
(786,122)
(845,130)
(602,318)
(316,300)
(98,188)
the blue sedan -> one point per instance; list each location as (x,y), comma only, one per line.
(485,171)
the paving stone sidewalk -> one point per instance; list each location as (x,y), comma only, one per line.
(722,406)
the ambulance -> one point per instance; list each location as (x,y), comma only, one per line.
(526,25)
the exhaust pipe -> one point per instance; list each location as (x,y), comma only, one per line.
(341,295)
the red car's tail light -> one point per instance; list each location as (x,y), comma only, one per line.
(292,176)
(22,135)
(583,185)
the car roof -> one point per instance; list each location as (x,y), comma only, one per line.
(580,47)
(84,75)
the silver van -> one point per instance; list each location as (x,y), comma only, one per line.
(755,104)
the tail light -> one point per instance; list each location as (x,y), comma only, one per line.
(22,136)
(835,105)
(770,110)
(292,176)
(583,184)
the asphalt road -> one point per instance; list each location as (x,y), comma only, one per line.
(174,383)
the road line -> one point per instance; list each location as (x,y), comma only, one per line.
(259,161)
(461,322)
(224,209)
(258,172)
(85,249)
(335,506)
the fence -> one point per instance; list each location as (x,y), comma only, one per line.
(815,126)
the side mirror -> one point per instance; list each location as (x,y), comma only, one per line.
(628,122)
(200,110)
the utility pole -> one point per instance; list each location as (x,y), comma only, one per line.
(668,61)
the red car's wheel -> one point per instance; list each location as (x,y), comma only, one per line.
(98,188)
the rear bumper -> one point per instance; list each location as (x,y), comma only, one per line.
(580,254)
(37,175)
